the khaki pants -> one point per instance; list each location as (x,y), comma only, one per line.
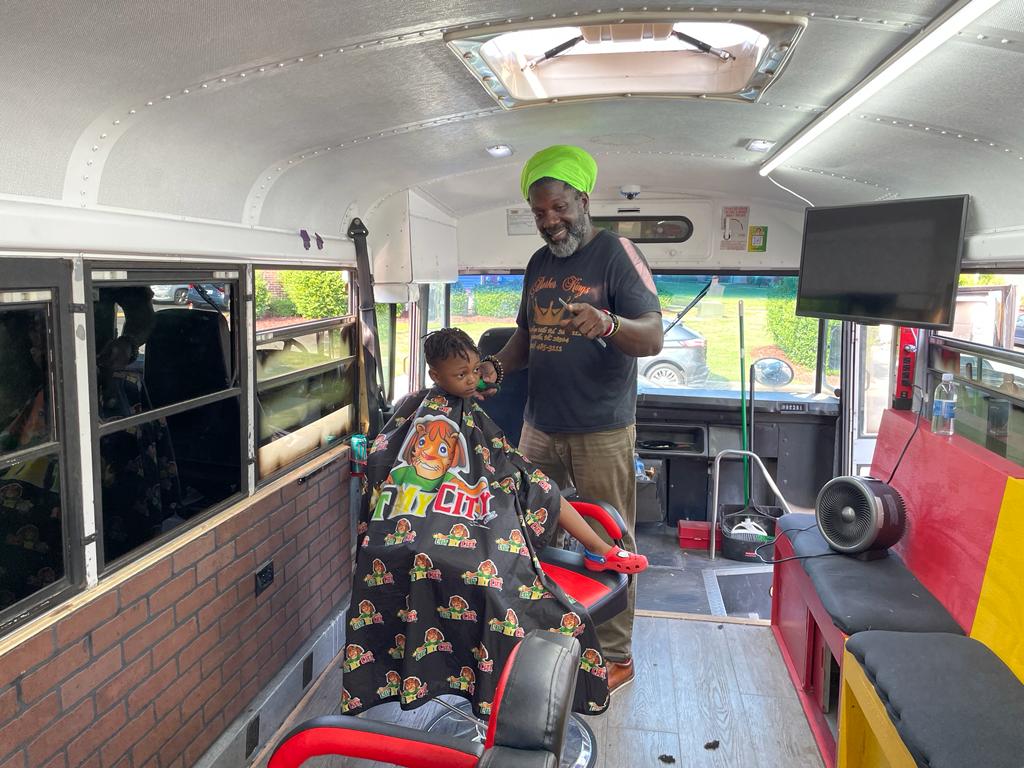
(600,466)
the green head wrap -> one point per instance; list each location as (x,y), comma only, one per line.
(566,163)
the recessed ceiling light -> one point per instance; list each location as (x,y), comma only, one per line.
(500,150)
(759,145)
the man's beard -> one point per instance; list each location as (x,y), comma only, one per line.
(574,238)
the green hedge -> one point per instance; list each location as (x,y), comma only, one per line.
(262,297)
(796,336)
(315,293)
(282,307)
(488,301)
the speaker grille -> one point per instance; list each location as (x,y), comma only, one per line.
(845,515)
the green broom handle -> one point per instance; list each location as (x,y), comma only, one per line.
(743,411)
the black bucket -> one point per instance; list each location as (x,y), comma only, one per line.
(741,545)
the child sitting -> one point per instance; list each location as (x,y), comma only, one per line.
(453,362)
(447,577)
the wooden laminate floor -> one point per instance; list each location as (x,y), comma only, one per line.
(697,683)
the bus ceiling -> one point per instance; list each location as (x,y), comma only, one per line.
(143,129)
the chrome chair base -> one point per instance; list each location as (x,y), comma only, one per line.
(579,751)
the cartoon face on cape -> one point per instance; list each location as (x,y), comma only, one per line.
(366,608)
(456,603)
(433,446)
(423,561)
(433,636)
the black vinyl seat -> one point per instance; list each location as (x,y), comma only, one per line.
(865,594)
(188,355)
(953,702)
(507,406)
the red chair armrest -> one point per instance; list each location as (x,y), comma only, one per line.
(605,514)
(373,740)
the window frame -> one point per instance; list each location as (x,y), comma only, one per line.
(55,275)
(619,217)
(255,338)
(145,272)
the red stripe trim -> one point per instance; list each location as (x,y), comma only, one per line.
(639,264)
(577,585)
(499,692)
(369,746)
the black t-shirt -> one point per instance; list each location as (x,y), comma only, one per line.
(575,385)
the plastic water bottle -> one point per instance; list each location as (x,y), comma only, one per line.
(944,406)
(639,464)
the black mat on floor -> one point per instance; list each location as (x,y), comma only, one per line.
(672,589)
(746,593)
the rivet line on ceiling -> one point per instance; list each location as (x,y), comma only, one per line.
(830,174)
(943,132)
(791,107)
(438,32)
(254,205)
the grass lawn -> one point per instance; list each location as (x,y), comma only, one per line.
(716,319)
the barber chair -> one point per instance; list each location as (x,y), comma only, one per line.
(603,593)
(526,729)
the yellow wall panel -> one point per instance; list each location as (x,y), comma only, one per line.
(999,620)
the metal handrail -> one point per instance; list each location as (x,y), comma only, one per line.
(736,453)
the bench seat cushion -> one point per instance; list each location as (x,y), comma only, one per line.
(865,594)
(953,702)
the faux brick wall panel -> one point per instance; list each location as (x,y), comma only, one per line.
(148,674)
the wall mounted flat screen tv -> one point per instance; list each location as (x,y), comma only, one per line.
(896,262)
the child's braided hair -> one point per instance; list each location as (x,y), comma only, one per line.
(447,343)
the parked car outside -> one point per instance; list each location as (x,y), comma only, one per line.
(682,361)
(187,294)
(1018,332)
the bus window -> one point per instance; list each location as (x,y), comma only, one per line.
(482,301)
(702,351)
(306,370)
(166,344)
(387,316)
(31,519)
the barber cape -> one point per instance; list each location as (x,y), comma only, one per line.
(447,579)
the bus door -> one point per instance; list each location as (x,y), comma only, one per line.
(868,353)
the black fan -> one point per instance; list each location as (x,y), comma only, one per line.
(860,516)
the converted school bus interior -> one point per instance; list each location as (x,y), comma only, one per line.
(225,227)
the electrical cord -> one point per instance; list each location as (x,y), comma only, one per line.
(917,424)
(757,549)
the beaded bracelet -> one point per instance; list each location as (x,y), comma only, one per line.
(615,324)
(499,369)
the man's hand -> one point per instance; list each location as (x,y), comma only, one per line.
(588,320)
(490,376)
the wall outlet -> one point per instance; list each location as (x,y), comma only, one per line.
(264,577)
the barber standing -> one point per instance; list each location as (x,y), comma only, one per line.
(581,354)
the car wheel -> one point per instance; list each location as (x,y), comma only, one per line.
(666,375)
(180,296)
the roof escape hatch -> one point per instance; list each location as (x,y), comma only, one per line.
(645,55)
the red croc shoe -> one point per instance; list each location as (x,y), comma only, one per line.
(616,559)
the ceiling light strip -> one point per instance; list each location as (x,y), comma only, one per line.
(946,26)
